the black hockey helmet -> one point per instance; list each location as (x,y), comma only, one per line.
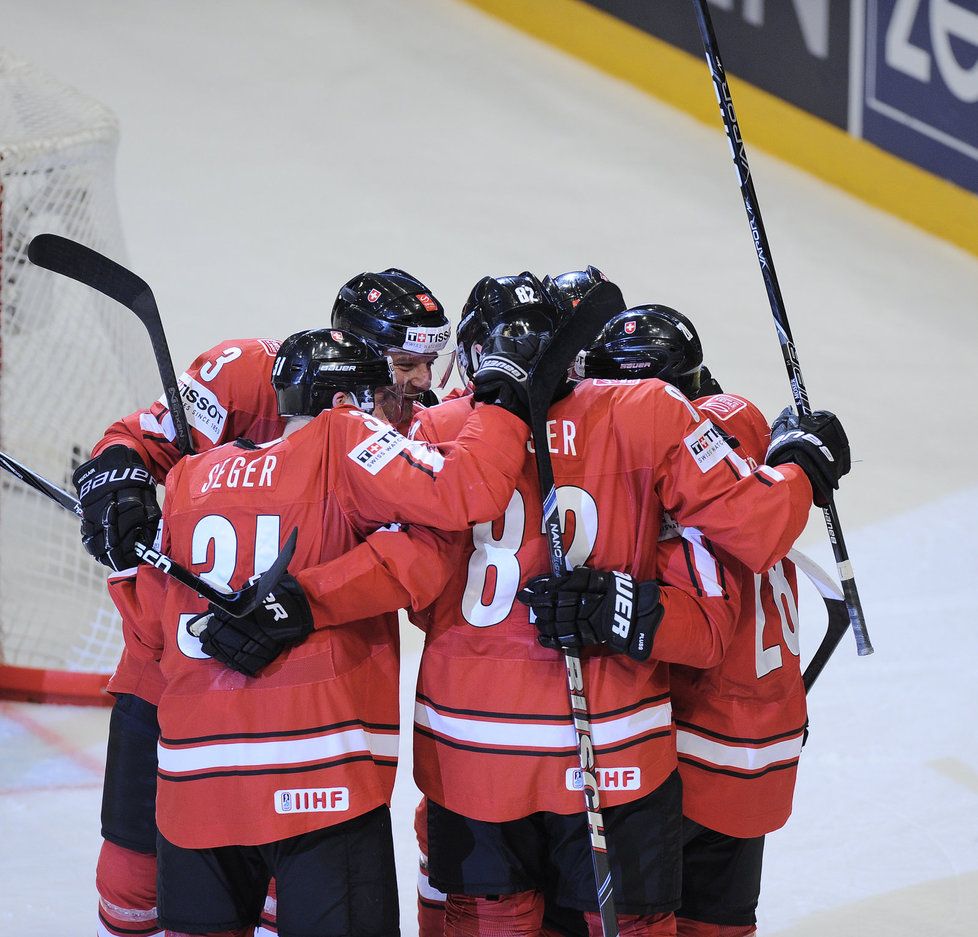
(566,290)
(642,342)
(312,366)
(513,306)
(392,309)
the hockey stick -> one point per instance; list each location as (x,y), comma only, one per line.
(237,604)
(81,263)
(835,605)
(739,152)
(578,331)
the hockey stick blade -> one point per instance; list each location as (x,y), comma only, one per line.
(35,481)
(78,262)
(237,604)
(577,331)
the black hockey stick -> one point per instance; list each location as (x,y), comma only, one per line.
(835,605)
(81,263)
(739,151)
(578,331)
(237,604)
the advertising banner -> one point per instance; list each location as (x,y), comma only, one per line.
(921,84)
(796,49)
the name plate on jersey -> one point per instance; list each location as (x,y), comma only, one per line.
(609,779)
(313,800)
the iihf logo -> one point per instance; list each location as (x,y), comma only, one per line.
(373,296)
(629,326)
(286,801)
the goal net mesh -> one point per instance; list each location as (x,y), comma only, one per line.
(71,362)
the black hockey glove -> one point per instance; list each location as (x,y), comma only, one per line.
(588,606)
(709,385)
(119,506)
(248,644)
(503,370)
(817,443)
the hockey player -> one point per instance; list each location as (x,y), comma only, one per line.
(740,724)
(226,393)
(397,312)
(330,705)
(498,836)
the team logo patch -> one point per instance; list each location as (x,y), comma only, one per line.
(630,327)
(376,451)
(707,445)
(313,800)
(373,296)
(609,779)
(429,304)
(724,406)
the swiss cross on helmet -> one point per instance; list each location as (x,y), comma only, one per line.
(394,310)
(312,367)
(643,342)
(566,290)
(513,306)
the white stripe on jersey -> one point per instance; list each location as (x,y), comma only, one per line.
(743,757)
(242,754)
(525,734)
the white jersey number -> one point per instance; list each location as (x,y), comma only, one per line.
(219,531)
(494,570)
(770,658)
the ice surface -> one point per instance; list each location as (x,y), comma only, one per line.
(271,151)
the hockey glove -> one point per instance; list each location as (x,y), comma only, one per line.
(503,371)
(588,606)
(119,506)
(817,443)
(248,644)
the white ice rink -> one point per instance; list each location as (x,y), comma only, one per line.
(272,150)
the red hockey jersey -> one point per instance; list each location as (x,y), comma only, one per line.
(313,739)
(487,690)
(227,393)
(740,724)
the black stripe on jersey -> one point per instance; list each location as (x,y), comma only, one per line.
(723,576)
(429,903)
(414,463)
(733,468)
(764,481)
(282,733)
(571,752)
(691,566)
(743,776)
(537,717)
(793,733)
(255,772)
(115,928)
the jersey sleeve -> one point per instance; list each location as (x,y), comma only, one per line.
(388,571)
(754,513)
(701,602)
(138,597)
(381,476)
(226,393)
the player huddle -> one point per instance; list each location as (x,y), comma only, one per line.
(251,760)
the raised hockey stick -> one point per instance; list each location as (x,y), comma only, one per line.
(237,604)
(579,330)
(835,605)
(81,263)
(739,151)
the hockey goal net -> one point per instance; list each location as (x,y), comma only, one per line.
(71,362)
